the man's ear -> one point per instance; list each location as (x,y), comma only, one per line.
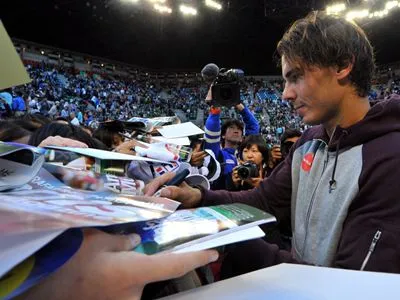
(343,72)
(115,140)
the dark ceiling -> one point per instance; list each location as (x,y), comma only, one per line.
(244,34)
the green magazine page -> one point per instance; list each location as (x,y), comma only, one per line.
(188,227)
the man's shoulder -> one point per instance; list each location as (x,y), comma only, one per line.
(387,145)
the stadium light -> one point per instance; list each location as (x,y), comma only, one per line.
(157,1)
(335,9)
(187,10)
(42,52)
(357,14)
(340,9)
(213,4)
(391,4)
(162,9)
(130,1)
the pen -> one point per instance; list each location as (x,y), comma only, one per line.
(176,181)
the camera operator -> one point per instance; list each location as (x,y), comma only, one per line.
(253,157)
(224,141)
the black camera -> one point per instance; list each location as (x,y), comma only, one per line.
(247,170)
(226,87)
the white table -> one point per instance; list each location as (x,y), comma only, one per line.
(298,282)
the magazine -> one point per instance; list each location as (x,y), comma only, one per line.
(189,227)
(50,204)
(148,124)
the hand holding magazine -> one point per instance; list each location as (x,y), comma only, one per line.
(47,205)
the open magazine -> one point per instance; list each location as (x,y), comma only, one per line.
(148,124)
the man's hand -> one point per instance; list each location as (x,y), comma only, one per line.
(209,95)
(235,177)
(197,158)
(239,107)
(105,267)
(61,142)
(255,181)
(127,147)
(276,154)
(188,196)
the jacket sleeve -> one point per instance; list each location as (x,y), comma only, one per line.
(371,233)
(252,126)
(273,195)
(212,135)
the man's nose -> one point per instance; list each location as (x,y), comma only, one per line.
(289,93)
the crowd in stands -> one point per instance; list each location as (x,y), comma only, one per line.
(88,99)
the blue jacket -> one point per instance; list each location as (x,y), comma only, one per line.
(226,156)
(18,104)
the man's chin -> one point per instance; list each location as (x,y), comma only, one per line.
(235,141)
(310,121)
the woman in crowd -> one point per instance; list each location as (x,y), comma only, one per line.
(253,157)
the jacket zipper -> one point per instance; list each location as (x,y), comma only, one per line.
(313,198)
(375,240)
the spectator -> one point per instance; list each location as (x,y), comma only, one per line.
(288,139)
(62,130)
(231,133)
(253,149)
(6,95)
(18,105)
(5,109)
(73,119)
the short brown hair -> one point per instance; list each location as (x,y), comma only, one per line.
(327,41)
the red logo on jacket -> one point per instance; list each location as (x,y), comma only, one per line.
(307,162)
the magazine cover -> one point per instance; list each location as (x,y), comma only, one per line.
(46,203)
(92,181)
(191,226)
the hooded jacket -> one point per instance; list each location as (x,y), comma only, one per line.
(340,196)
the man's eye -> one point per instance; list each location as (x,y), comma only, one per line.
(294,78)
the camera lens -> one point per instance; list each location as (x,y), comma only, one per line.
(226,93)
(243,172)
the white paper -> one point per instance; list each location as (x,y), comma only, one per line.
(234,237)
(299,282)
(107,155)
(182,141)
(180,130)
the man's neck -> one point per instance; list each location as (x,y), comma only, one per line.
(352,110)
(229,144)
